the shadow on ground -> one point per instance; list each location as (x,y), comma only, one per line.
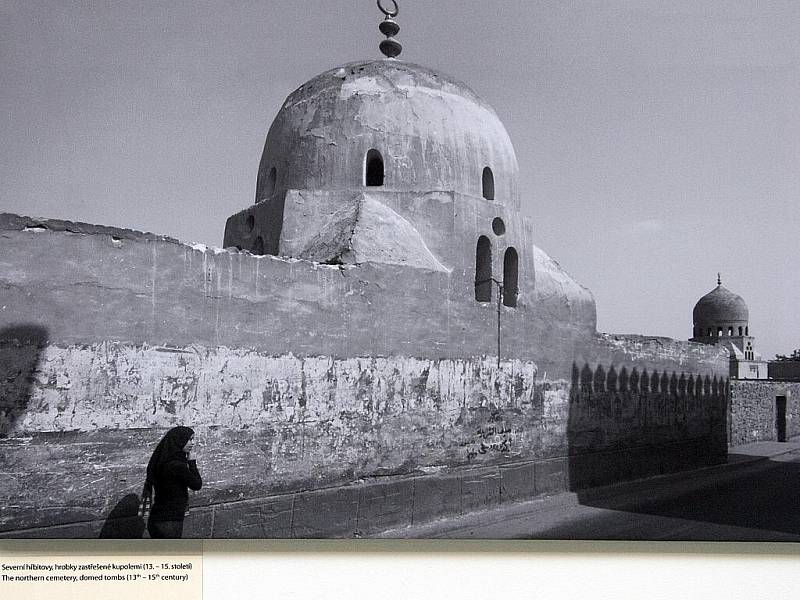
(124,520)
(762,496)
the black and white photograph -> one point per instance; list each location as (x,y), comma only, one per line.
(284,270)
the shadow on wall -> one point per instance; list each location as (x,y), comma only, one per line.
(21,347)
(628,424)
(124,520)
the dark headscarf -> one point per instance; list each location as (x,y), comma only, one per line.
(169,448)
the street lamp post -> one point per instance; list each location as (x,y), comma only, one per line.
(499,301)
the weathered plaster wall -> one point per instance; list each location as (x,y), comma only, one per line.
(362,388)
(436,231)
(752,416)
(269,424)
(85,288)
(81,421)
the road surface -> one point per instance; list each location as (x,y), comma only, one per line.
(747,501)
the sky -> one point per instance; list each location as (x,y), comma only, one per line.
(658,142)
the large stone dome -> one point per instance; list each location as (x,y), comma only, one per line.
(429,132)
(719,306)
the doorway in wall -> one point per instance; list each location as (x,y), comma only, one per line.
(780,418)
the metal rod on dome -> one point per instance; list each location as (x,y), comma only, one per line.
(390,47)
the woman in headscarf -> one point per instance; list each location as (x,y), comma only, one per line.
(170,473)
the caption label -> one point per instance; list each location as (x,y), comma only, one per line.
(73,575)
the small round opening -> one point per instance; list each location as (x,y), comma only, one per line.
(251,222)
(498,226)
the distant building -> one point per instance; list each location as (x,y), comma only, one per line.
(722,318)
(785,368)
(758,409)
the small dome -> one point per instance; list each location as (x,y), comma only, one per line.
(720,305)
(427,131)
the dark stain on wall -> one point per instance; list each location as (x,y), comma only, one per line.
(20,352)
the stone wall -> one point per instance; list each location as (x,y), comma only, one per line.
(89,287)
(660,405)
(266,425)
(454,435)
(328,400)
(752,416)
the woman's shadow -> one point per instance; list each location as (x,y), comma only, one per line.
(124,520)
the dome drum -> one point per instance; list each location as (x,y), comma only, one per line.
(715,330)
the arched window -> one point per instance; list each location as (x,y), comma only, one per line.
(746,330)
(719,331)
(483,270)
(730,331)
(740,331)
(510,277)
(488,184)
(373,169)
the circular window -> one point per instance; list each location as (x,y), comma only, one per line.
(498,226)
(251,222)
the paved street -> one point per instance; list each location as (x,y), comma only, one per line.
(755,497)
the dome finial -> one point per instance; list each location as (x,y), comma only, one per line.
(390,47)
(719,279)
